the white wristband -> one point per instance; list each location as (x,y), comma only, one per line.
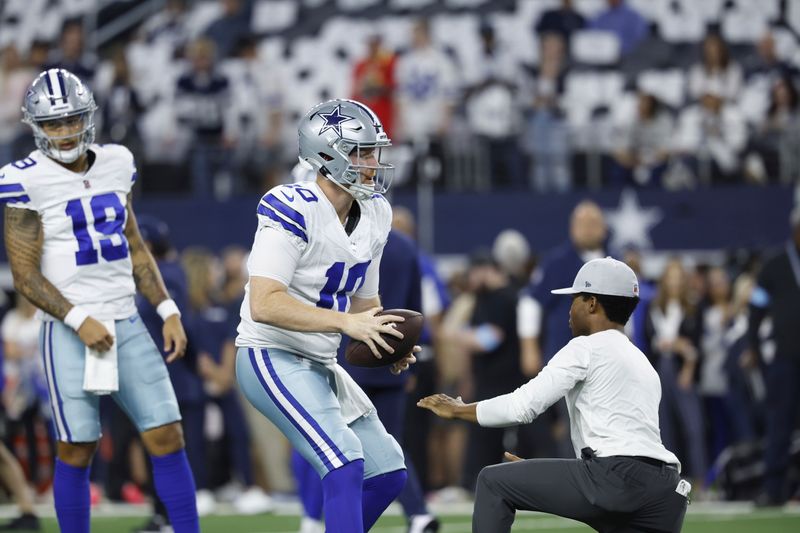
(167,308)
(75,317)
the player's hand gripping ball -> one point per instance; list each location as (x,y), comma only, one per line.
(359,354)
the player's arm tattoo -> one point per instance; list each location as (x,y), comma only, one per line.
(145,271)
(24,239)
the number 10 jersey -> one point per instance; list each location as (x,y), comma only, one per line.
(85,253)
(331,265)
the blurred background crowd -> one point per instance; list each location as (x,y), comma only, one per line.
(551,99)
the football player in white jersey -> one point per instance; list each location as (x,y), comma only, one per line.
(76,253)
(313,276)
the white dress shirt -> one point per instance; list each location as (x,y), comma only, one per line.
(612,394)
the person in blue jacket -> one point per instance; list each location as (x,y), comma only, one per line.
(400,287)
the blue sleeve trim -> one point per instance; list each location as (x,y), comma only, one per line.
(15,199)
(287,211)
(12,187)
(267,212)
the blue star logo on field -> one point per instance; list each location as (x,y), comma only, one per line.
(333,121)
(630,223)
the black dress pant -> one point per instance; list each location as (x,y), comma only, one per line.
(610,494)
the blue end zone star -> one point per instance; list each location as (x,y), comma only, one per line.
(333,121)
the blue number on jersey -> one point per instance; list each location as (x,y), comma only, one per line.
(304,193)
(22,164)
(87,253)
(335,273)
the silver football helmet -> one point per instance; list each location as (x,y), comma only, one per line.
(59,98)
(342,140)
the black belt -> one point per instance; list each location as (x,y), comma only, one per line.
(648,460)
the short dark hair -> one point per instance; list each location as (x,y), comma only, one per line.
(618,308)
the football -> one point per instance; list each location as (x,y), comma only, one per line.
(359,354)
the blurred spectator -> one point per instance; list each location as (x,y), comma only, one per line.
(624,21)
(38,55)
(512,253)
(15,78)
(645,145)
(636,328)
(778,296)
(168,26)
(562,20)
(717,315)
(374,83)
(773,148)
(202,104)
(183,372)
(72,55)
(234,276)
(490,94)
(673,328)
(120,104)
(212,331)
(546,136)
(766,63)
(492,340)
(543,325)
(231,27)
(425,378)
(257,90)
(716,73)
(24,401)
(427,84)
(711,136)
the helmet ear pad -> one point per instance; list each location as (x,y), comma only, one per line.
(57,94)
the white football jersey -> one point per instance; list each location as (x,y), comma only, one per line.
(85,253)
(332,265)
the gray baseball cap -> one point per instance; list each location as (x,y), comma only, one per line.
(604,276)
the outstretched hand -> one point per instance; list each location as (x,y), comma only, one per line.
(442,405)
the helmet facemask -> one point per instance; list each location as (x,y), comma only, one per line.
(366,175)
(78,126)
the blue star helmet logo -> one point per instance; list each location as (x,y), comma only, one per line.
(333,121)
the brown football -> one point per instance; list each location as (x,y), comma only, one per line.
(359,354)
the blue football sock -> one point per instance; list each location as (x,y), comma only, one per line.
(379,492)
(309,486)
(342,488)
(71,494)
(175,486)
(411,497)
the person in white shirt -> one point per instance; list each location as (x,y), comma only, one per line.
(624,478)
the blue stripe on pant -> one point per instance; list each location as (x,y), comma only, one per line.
(298,396)
(304,424)
(145,393)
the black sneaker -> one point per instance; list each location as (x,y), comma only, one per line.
(25,522)
(423,524)
(156,524)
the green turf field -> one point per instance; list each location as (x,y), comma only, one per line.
(698,522)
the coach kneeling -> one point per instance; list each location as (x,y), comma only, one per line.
(624,479)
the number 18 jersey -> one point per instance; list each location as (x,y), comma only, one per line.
(85,253)
(331,265)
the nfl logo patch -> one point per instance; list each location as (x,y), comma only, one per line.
(636,289)
(86,184)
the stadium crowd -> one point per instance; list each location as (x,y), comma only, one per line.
(208,110)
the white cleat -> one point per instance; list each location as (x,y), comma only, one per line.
(253,501)
(309,525)
(206,504)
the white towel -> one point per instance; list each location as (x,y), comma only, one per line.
(100,375)
(353,401)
